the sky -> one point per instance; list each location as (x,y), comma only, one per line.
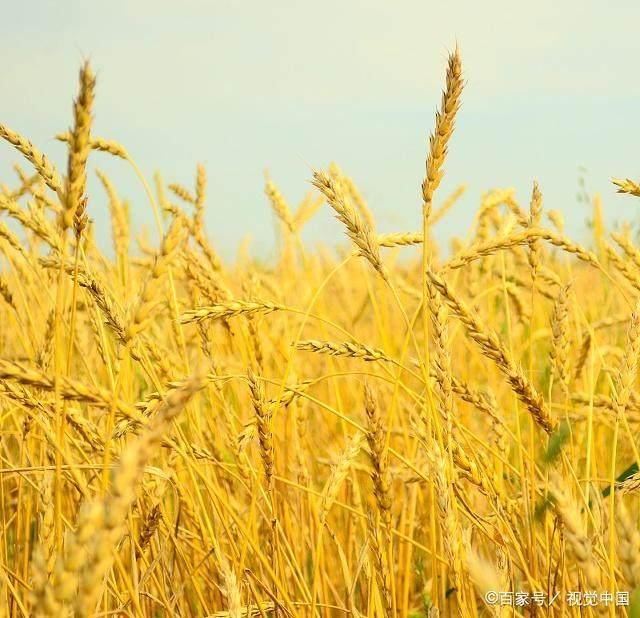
(290,86)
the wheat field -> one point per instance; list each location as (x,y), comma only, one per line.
(385,429)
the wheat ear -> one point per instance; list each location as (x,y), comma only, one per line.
(360,232)
(491,347)
(265,433)
(42,165)
(439,139)
(79,148)
(376,437)
(560,339)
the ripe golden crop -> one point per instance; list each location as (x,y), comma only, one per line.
(362,435)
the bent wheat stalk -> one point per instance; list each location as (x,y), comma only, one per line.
(491,347)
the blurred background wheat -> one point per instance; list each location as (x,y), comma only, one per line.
(392,429)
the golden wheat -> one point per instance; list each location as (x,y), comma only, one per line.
(314,435)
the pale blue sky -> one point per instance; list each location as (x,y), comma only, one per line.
(244,86)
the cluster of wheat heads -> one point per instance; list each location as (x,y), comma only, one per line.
(382,431)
